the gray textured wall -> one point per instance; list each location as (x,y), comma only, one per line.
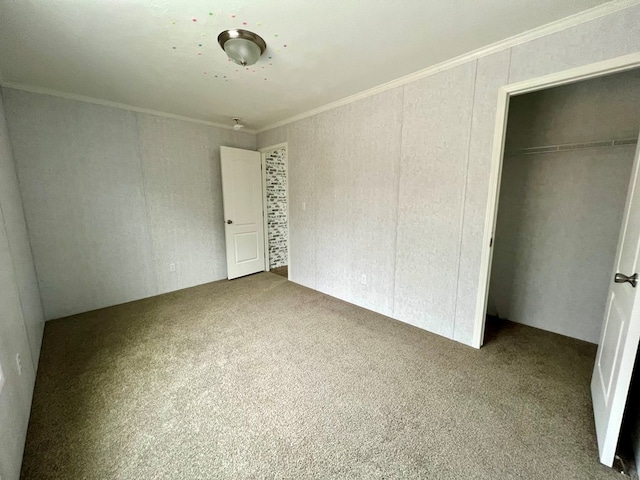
(605,108)
(183,191)
(113,198)
(21,318)
(396,185)
(556,238)
(560,213)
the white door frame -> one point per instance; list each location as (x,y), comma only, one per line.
(263,152)
(607,67)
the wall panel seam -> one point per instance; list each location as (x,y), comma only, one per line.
(464,198)
(146,206)
(395,243)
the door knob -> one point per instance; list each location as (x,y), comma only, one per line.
(621,278)
(229,222)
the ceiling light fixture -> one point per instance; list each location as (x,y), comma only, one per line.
(238,125)
(242,46)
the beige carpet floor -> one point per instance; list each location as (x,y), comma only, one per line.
(261,378)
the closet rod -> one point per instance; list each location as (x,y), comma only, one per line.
(573,146)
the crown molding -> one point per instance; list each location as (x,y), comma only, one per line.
(121,106)
(547,29)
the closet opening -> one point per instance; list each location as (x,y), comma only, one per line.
(567,162)
(563,250)
(276,217)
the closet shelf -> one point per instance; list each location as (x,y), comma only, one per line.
(573,146)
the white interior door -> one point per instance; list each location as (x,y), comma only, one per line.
(620,332)
(242,200)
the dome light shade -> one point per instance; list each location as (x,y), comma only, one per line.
(242,46)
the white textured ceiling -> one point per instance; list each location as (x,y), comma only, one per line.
(318,51)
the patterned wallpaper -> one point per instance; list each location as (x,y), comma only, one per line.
(277,229)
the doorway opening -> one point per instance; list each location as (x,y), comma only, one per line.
(565,177)
(567,162)
(276,207)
